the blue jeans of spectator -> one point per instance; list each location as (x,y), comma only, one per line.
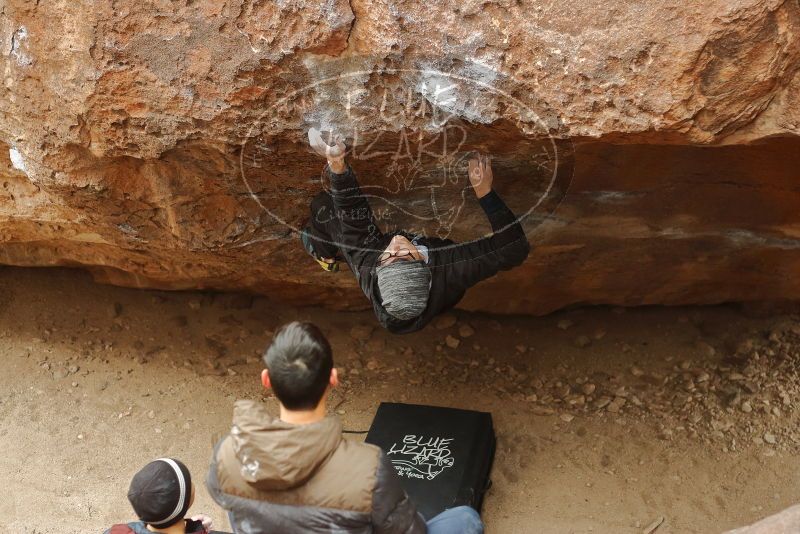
(459,520)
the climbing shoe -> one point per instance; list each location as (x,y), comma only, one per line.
(308,243)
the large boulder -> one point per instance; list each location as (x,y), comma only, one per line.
(650,149)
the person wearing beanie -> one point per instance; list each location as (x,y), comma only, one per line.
(161,494)
(409,279)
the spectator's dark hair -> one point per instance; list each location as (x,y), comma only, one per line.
(299,362)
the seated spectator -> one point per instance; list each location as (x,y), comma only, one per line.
(296,474)
(161,494)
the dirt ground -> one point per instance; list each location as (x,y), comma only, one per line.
(607,419)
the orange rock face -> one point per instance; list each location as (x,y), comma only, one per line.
(652,151)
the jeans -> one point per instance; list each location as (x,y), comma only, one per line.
(459,520)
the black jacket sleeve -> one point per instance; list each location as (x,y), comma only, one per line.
(392,510)
(507,247)
(359,231)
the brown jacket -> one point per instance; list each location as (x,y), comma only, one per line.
(275,477)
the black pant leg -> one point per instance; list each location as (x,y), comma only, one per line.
(324,225)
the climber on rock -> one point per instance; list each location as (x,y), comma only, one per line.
(409,279)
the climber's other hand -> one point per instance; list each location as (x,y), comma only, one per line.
(480,175)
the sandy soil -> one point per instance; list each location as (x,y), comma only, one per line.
(607,419)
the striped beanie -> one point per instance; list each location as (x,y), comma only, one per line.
(161,492)
(404,287)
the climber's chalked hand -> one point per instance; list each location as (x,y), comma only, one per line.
(334,148)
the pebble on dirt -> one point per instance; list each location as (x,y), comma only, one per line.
(599,334)
(452,342)
(616,405)
(443,322)
(582,341)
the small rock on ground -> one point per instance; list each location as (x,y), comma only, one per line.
(448,320)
